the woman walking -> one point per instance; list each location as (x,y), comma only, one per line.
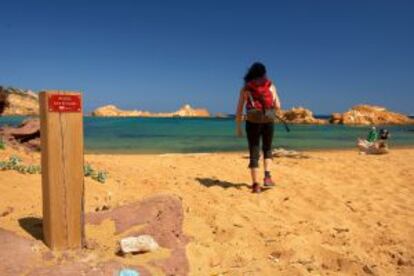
(259,95)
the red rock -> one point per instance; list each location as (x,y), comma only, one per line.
(26,134)
(11,247)
(163,217)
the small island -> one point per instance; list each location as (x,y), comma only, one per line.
(184,111)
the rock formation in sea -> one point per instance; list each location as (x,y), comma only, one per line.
(188,111)
(370,115)
(15,101)
(113,111)
(185,111)
(27,134)
(300,115)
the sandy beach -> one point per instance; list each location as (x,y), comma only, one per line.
(333,213)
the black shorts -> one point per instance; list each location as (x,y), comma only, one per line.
(256,132)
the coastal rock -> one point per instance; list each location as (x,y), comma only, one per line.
(185,111)
(26,134)
(370,115)
(188,111)
(20,102)
(221,115)
(113,111)
(300,115)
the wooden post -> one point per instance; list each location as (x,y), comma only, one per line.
(61,131)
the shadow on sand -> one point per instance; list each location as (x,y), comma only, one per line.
(33,226)
(210,182)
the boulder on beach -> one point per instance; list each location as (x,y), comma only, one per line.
(27,134)
(370,115)
(19,102)
(300,115)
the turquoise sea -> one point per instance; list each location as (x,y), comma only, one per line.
(183,135)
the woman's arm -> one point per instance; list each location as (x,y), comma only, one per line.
(275,98)
(239,112)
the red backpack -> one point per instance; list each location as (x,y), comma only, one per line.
(260,96)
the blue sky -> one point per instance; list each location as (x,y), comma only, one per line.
(158,55)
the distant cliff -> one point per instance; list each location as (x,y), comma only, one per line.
(15,101)
(185,111)
(370,115)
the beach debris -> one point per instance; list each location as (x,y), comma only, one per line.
(275,256)
(128,272)
(102,208)
(280,152)
(367,270)
(340,230)
(139,244)
(7,212)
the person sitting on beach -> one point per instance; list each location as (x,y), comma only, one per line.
(372,135)
(260,97)
(376,143)
(381,143)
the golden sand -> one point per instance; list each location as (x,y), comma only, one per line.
(336,212)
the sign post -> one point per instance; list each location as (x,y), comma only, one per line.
(61,131)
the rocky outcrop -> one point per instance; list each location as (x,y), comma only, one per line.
(113,111)
(221,115)
(300,115)
(188,111)
(18,102)
(27,134)
(370,115)
(185,111)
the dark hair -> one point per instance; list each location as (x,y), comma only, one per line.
(384,134)
(256,70)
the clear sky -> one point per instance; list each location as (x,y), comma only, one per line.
(158,55)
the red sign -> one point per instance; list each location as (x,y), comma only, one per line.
(64,103)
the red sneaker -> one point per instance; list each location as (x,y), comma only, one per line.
(256,189)
(268,182)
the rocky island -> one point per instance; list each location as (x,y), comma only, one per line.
(300,115)
(370,115)
(20,102)
(184,111)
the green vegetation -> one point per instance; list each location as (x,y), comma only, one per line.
(2,144)
(15,163)
(100,176)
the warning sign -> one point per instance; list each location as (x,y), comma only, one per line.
(64,103)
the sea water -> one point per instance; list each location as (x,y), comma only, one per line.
(185,135)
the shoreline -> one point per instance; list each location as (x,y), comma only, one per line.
(319,150)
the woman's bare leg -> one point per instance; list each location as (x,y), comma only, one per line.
(255,175)
(267,164)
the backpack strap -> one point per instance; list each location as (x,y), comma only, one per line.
(250,98)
